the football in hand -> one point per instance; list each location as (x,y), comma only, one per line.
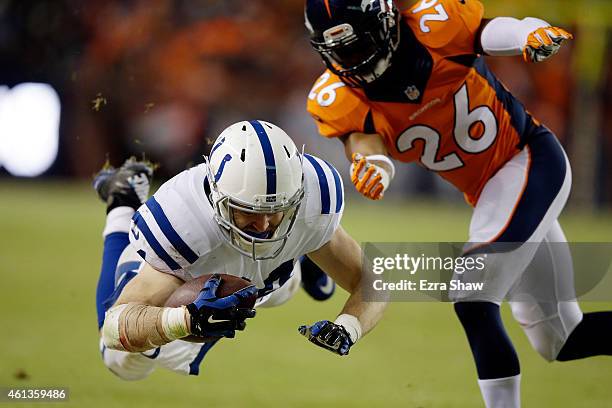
(189,291)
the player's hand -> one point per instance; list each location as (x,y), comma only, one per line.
(544,42)
(221,317)
(328,335)
(369,175)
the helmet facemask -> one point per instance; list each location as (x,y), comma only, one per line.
(257,248)
(359,53)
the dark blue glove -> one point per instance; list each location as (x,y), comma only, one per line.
(219,317)
(328,335)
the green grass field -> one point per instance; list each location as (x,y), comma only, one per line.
(50,247)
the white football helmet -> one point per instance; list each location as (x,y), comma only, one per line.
(255,167)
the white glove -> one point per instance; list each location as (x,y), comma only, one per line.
(544,42)
(372,174)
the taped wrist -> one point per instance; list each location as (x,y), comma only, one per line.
(505,36)
(351,324)
(135,327)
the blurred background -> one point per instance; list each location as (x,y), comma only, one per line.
(82,82)
(164,77)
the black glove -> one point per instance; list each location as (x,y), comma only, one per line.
(328,335)
(219,317)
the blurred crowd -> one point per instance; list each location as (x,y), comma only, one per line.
(164,77)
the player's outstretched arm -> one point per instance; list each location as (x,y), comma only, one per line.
(371,169)
(533,38)
(137,322)
(341,259)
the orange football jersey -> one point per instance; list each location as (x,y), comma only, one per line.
(437,104)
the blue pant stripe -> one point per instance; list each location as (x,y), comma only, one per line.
(169,231)
(154,243)
(545,180)
(324,187)
(194,366)
(154,355)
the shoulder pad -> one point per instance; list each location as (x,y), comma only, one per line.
(336,108)
(324,191)
(323,201)
(175,227)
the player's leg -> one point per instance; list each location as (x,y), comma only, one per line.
(542,300)
(551,319)
(497,363)
(124,190)
(115,241)
(592,337)
(518,205)
(127,366)
(118,188)
(182,357)
(179,356)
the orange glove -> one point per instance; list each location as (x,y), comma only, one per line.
(544,42)
(371,175)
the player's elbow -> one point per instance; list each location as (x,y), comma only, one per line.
(353,283)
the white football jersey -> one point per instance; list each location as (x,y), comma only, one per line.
(175,230)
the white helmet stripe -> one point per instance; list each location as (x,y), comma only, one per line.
(268,156)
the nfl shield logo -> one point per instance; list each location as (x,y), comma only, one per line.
(412,93)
